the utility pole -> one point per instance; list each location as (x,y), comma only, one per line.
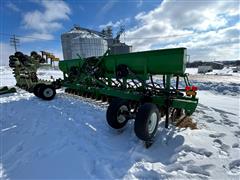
(14,42)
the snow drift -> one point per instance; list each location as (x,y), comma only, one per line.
(69,138)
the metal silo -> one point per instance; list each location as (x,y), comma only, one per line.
(82,41)
(66,39)
(88,44)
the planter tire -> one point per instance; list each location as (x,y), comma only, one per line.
(146,122)
(47,92)
(36,89)
(117,113)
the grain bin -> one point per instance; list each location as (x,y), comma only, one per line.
(82,41)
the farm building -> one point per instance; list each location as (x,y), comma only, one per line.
(204,69)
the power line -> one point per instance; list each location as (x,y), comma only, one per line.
(133,38)
(28,37)
(14,42)
(161,37)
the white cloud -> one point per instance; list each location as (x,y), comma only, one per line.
(5,51)
(107,7)
(116,24)
(38,22)
(13,7)
(56,10)
(36,36)
(47,21)
(203,24)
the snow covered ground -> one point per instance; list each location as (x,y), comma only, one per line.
(68,138)
(226,71)
(223,81)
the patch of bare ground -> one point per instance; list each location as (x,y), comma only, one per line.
(187,122)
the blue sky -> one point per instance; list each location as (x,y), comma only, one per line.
(90,14)
(209,29)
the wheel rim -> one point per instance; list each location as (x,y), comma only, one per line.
(48,92)
(152,122)
(120,115)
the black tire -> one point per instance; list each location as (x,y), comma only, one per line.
(36,89)
(118,107)
(104,98)
(47,92)
(147,113)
